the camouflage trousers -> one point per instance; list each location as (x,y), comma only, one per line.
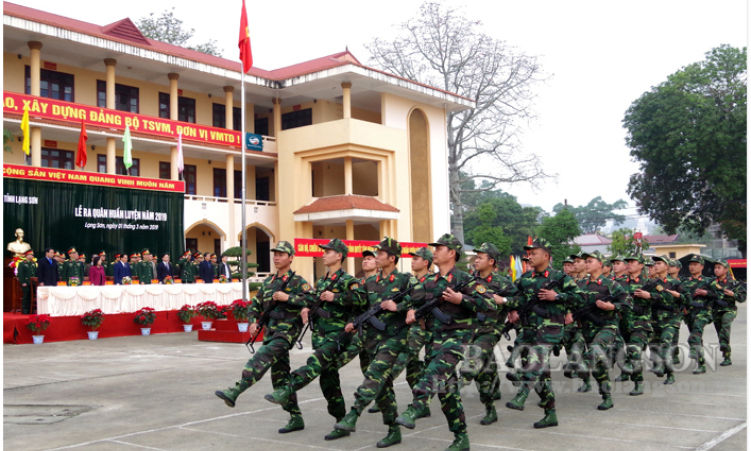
(665,330)
(723,319)
(410,358)
(324,362)
(625,326)
(600,342)
(274,354)
(574,343)
(638,340)
(481,365)
(446,351)
(536,373)
(697,320)
(378,385)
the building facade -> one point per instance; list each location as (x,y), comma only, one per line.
(348,151)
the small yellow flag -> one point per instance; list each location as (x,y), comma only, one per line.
(25,130)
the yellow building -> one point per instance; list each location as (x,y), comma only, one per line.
(348,151)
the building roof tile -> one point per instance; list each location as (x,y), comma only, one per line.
(345,202)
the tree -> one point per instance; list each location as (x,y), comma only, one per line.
(487,232)
(560,230)
(689,136)
(7,139)
(442,48)
(516,222)
(623,243)
(168,28)
(595,214)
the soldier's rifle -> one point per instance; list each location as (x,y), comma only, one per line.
(591,311)
(312,311)
(265,317)
(370,316)
(431,306)
(532,305)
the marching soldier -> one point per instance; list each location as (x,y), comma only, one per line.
(338,298)
(27,269)
(422,260)
(674,268)
(281,297)
(604,299)
(619,268)
(393,291)
(568,266)
(451,324)
(636,324)
(699,313)
(728,292)
(666,317)
(484,368)
(544,310)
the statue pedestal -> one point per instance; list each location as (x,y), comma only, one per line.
(11,287)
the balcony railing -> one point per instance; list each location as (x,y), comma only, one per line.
(263,203)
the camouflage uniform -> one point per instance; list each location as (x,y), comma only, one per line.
(284,325)
(328,321)
(699,313)
(446,350)
(483,367)
(724,310)
(547,325)
(600,338)
(666,320)
(384,346)
(638,328)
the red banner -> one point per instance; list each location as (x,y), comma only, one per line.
(737,263)
(306,247)
(91,178)
(74,113)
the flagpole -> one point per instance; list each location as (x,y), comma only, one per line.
(244,183)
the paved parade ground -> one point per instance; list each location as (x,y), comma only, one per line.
(157,393)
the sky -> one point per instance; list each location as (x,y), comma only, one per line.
(600,56)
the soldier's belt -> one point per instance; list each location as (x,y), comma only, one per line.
(282,315)
(323,313)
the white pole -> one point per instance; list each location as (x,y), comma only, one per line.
(244,182)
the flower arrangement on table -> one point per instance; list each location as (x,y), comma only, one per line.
(239,309)
(74,281)
(222,278)
(209,310)
(145,317)
(127,281)
(93,319)
(186,313)
(38,323)
(168,280)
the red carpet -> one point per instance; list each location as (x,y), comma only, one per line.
(68,328)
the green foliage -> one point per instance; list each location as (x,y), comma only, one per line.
(595,214)
(254,286)
(623,243)
(7,139)
(498,218)
(236,251)
(168,28)
(560,230)
(689,136)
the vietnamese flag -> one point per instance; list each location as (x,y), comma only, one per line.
(246,56)
(81,159)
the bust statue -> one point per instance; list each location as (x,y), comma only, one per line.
(18,247)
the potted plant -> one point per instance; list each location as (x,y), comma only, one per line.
(239,310)
(93,320)
(224,311)
(145,317)
(37,324)
(209,311)
(74,281)
(186,315)
(127,281)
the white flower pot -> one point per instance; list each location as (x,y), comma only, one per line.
(206,325)
(188,327)
(38,339)
(145,331)
(242,327)
(93,334)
